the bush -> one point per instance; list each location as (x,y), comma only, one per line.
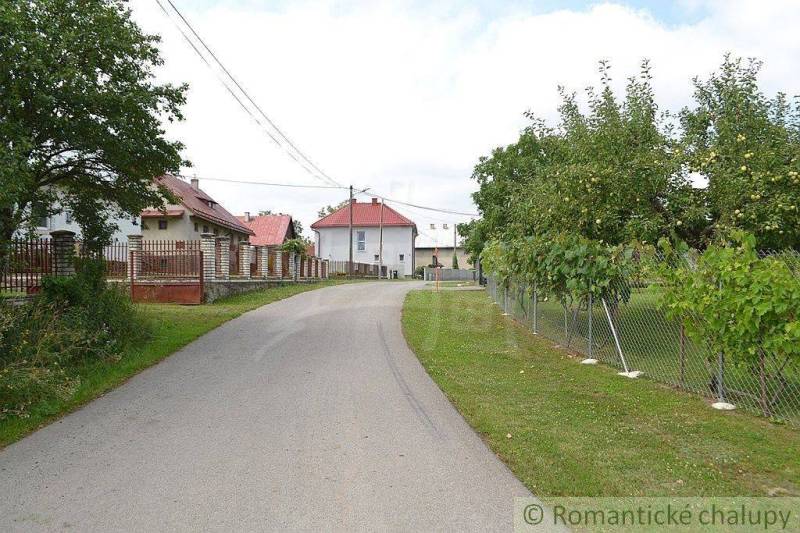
(43,344)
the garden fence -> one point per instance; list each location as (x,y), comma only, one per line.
(634,334)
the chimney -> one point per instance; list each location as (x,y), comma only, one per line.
(195,184)
(353,201)
(247,216)
(374,201)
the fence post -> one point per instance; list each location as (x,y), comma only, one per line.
(535,308)
(293,266)
(264,266)
(244,259)
(207,246)
(63,252)
(589,308)
(279,263)
(224,256)
(135,255)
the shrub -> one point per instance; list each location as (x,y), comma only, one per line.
(43,344)
(739,304)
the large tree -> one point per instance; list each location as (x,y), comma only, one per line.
(748,147)
(80,113)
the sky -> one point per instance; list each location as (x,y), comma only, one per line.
(404,97)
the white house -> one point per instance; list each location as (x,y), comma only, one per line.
(62,220)
(332,236)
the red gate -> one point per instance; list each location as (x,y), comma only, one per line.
(167,274)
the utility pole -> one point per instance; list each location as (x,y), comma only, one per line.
(350,262)
(454,244)
(380,245)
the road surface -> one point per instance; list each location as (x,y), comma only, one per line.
(310,413)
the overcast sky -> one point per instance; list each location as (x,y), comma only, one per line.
(404,97)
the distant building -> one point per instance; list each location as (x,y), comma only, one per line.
(196,213)
(444,238)
(269,230)
(332,238)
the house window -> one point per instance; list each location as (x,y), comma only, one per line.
(444,226)
(162,224)
(205,229)
(216,231)
(68,217)
(195,226)
(402,256)
(361,237)
(433,226)
(376,257)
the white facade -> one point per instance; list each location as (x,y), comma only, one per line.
(64,221)
(398,246)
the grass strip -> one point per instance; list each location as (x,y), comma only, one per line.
(565,429)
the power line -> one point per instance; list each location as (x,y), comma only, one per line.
(425,207)
(269,184)
(321,175)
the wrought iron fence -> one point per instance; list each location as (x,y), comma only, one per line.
(634,335)
(23,263)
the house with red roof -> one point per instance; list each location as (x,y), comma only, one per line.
(381,235)
(195,213)
(269,230)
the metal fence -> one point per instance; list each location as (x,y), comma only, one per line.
(23,263)
(361,270)
(634,335)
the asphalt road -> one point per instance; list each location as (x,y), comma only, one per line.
(310,413)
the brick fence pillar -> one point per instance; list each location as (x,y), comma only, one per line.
(63,243)
(209,249)
(263,268)
(224,243)
(293,267)
(245,258)
(134,256)
(279,263)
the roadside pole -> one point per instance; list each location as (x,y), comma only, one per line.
(350,261)
(380,245)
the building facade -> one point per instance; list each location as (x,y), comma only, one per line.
(381,235)
(196,213)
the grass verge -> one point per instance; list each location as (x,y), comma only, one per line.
(172,326)
(568,430)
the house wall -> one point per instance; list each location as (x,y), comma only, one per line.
(333,244)
(183,229)
(62,221)
(424,257)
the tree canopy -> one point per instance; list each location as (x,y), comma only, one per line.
(81,116)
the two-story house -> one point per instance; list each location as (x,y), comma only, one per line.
(377,230)
(195,213)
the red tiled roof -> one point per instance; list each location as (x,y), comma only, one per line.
(364,214)
(197,202)
(269,230)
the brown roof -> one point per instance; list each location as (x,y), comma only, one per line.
(364,214)
(269,230)
(197,202)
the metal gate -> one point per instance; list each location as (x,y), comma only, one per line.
(167,275)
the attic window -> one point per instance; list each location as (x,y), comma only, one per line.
(211,204)
(444,226)
(433,226)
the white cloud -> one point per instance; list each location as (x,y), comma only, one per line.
(405,99)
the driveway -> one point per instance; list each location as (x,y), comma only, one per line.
(310,413)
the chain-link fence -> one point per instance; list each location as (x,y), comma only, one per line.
(635,335)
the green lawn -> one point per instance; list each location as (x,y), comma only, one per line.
(173,326)
(585,431)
